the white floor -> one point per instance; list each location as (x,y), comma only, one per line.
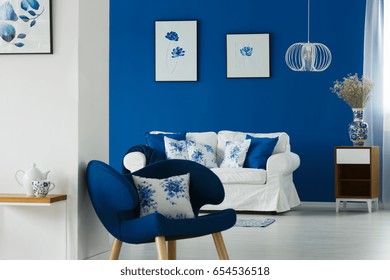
(305,233)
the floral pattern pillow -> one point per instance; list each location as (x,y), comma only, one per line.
(175,149)
(169,197)
(235,154)
(202,153)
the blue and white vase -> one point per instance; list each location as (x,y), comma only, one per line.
(358,129)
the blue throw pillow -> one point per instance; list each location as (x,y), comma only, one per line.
(156,141)
(259,151)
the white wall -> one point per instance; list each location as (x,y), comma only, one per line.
(54,112)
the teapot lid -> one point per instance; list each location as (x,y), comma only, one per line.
(34,172)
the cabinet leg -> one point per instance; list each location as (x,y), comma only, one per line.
(344,204)
(376,205)
(369,205)
(337,205)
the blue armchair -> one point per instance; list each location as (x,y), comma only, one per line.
(116,203)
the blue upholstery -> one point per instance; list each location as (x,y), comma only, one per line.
(115,200)
(156,141)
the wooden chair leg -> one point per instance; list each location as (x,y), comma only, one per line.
(172,250)
(220,245)
(116,249)
(161,248)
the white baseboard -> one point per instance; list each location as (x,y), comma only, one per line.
(314,204)
(332,205)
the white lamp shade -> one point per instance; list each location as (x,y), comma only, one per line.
(314,57)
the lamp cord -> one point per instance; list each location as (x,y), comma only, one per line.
(308,21)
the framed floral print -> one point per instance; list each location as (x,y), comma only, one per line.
(176,51)
(25,27)
(248,55)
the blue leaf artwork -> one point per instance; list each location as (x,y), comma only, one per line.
(7,32)
(11,21)
(7,12)
(24,18)
(32,3)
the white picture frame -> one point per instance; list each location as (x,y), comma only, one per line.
(248,55)
(176,51)
(25,27)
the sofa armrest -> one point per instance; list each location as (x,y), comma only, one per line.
(134,161)
(282,163)
(138,157)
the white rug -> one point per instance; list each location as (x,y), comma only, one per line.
(254,223)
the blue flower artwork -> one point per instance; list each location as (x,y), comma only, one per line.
(172,36)
(176,50)
(18,19)
(246,51)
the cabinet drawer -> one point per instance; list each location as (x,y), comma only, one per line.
(353,156)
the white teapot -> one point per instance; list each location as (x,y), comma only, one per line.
(28,177)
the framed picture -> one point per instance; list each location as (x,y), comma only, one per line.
(176,51)
(25,27)
(248,55)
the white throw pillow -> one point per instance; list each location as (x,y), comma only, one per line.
(175,149)
(201,153)
(206,138)
(169,197)
(235,154)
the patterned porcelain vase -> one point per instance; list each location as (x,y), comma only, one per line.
(358,129)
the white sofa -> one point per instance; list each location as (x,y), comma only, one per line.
(246,189)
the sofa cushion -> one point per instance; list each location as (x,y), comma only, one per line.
(169,197)
(283,144)
(235,153)
(241,175)
(259,151)
(201,153)
(155,140)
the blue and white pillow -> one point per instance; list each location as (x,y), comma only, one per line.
(202,153)
(169,197)
(235,154)
(175,149)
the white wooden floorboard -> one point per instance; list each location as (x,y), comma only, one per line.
(305,233)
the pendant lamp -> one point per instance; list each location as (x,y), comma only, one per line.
(313,57)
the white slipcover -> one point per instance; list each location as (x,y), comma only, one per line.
(247,189)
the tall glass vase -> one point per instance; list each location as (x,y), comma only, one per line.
(358,129)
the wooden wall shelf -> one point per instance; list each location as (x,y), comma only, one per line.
(20,199)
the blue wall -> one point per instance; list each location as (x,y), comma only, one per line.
(298,103)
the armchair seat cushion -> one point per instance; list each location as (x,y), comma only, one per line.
(145,229)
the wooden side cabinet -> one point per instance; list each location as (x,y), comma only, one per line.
(357,175)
